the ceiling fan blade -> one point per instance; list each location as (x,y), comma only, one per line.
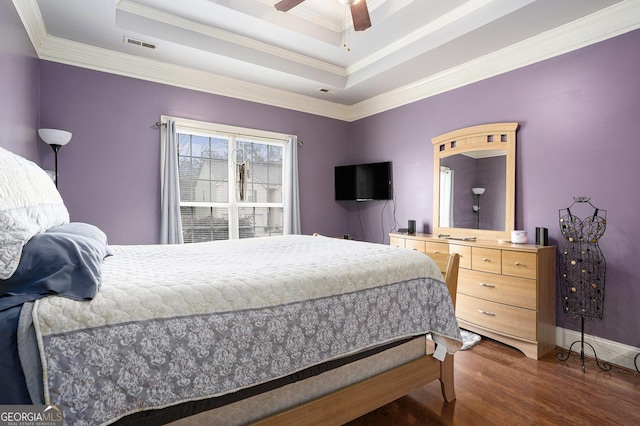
(285,5)
(360,16)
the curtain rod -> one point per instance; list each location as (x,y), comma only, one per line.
(161,124)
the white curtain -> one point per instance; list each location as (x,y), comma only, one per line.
(446,197)
(170,220)
(291,195)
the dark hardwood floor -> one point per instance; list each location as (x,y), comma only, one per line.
(498,385)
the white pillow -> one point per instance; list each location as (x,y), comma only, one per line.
(29,204)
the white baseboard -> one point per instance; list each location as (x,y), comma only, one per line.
(606,350)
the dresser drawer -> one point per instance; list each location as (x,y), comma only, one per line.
(417,245)
(506,319)
(438,248)
(519,264)
(396,242)
(487,260)
(519,292)
(464,252)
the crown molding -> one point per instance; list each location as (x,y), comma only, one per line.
(31,18)
(206,30)
(82,55)
(610,22)
(414,37)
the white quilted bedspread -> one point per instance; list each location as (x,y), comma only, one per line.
(162,281)
(178,323)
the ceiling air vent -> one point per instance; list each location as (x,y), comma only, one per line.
(135,42)
(323,90)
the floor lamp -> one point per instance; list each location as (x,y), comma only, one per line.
(476,207)
(55,139)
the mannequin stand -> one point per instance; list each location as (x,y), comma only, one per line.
(605,365)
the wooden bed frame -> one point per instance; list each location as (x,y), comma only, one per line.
(346,404)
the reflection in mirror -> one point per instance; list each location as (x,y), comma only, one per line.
(474,182)
(460,206)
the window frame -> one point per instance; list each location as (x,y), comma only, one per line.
(232,133)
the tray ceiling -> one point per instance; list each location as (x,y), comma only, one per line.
(310,58)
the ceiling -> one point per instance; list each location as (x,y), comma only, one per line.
(310,58)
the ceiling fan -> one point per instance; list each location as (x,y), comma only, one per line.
(359,11)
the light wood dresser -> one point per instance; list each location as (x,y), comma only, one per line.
(506,291)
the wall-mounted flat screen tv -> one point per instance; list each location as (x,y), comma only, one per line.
(363,182)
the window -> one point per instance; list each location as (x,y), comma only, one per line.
(446,197)
(231,181)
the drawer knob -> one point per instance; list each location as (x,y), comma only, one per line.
(486,285)
(484,259)
(517,263)
(491,314)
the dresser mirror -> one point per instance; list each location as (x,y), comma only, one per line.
(474,182)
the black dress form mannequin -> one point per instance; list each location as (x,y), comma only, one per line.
(582,264)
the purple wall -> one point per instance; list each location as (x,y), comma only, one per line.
(109,172)
(579,126)
(19,86)
(578,136)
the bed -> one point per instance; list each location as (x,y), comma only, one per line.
(278,330)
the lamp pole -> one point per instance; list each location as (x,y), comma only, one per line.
(56,148)
(478,212)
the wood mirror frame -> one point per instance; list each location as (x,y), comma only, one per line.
(487,138)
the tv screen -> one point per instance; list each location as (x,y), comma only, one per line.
(363,182)
(345,183)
